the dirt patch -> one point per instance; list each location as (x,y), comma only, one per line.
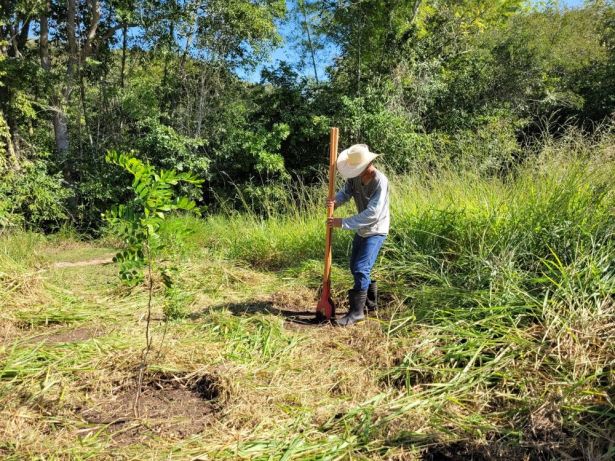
(90,262)
(170,405)
(456,451)
(64,336)
(545,425)
(300,299)
(490,451)
(465,450)
(297,306)
(70,336)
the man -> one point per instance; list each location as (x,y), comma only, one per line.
(370,190)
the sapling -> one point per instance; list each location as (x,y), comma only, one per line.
(137,223)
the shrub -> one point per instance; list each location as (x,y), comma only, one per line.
(33,198)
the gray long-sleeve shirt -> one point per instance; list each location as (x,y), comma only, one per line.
(372,202)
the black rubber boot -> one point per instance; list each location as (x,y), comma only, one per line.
(371,304)
(357,305)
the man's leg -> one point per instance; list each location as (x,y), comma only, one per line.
(366,259)
(374,244)
(372,297)
(365,252)
(356,246)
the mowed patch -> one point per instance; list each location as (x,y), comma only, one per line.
(82,333)
(255,383)
(90,262)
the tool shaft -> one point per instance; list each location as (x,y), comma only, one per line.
(326,280)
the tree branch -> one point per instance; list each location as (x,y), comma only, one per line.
(111,32)
(93,27)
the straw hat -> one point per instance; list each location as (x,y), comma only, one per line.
(353,161)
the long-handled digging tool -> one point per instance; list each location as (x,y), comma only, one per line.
(325,310)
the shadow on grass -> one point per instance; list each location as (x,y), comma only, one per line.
(299,316)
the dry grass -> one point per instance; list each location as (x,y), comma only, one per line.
(497,341)
(76,341)
(281,387)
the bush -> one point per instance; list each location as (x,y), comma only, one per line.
(33,198)
(165,147)
(487,145)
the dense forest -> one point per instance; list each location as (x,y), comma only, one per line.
(431,84)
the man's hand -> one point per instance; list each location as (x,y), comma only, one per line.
(334,222)
(331,203)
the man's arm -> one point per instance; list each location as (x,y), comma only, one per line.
(344,194)
(373,210)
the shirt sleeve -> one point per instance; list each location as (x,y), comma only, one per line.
(372,212)
(344,194)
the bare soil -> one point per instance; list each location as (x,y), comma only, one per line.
(91,262)
(170,405)
(71,336)
(67,336)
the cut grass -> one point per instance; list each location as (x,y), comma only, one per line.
(262,364)
(497,341)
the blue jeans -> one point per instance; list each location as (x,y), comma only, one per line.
(364,253)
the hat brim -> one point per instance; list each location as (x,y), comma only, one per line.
(352,171)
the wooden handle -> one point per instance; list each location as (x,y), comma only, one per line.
(333,138)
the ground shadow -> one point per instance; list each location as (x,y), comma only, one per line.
(300,315)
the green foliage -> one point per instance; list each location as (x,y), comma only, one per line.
(138,222)
(446,65)
(240,22)
(5,137)
(169,149)
(33,198)
(175,303)
(489,146)
(252,163)
(251,153)
(286,98)
(261,148)
(429,84)
(368,119)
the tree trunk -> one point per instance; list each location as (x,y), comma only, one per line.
(72,43)
(60,128)
(71,67)
(43,50)
(19,36)
(22,40)
(309,36)
(124,46)
(60,125)
(84,53)
(93,27)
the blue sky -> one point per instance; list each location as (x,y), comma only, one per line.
(288,51)
(291,31)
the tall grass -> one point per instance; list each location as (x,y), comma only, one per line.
(449,228)
(496,341)
(507,330)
